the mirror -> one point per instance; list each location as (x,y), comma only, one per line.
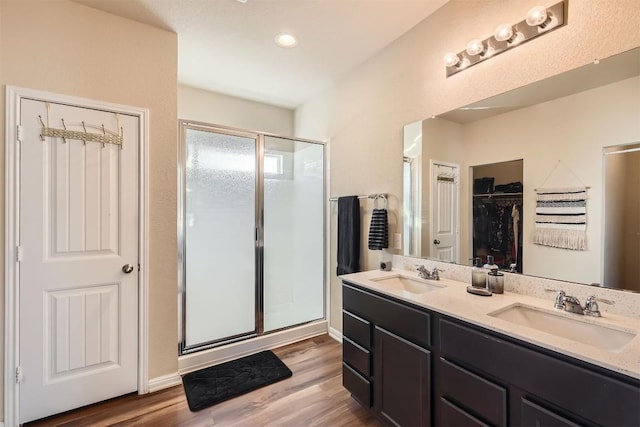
(561,132)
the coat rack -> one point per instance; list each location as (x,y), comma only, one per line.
(103,138)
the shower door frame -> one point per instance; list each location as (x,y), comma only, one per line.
(259,138)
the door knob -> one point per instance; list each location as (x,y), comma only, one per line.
(436,241)
(127,268)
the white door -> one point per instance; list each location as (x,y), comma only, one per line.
(78,323)
(444,207)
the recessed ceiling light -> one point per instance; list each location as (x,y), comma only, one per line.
(286,40)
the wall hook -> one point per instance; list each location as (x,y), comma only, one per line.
(84,141)
(64,126)
(43,126)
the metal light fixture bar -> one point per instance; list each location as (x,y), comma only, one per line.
(539,21)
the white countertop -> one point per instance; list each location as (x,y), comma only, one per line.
(453,300)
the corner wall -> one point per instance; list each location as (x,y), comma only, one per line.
(63,47)
(364,113)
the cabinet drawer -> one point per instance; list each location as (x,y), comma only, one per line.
(356,329)
(410,323)
(572,385)
(449,414)
(356,356)
(359,387)
(536,416)
(478,395)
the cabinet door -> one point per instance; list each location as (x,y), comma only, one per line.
(402,385)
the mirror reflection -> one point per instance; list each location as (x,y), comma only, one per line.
(470,175)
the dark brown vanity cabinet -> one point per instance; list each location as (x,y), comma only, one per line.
(386,360)
(541,387)
(416,367)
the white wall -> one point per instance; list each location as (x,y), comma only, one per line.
(363,114)
(224,110)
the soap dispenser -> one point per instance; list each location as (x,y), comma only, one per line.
(478,275)
(495,281)
(490,265)
(479,280)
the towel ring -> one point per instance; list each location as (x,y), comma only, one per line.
(375,201)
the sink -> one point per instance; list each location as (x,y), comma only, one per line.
(407,284)
(563,325)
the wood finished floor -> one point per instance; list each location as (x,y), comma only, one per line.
(313,396)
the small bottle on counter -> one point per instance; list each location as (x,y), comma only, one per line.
(495,281)
(490,265)
(478,275)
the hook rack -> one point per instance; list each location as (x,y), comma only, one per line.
(84,136)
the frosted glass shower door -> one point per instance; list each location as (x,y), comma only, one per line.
(219,241)
(293,272)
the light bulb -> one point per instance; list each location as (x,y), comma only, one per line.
(537,16)
(504,33)
(286,40)
(475,47)
(451,59)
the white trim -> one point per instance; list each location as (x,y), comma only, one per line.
(12,327)
(335,334)
(214,356)
(165,381)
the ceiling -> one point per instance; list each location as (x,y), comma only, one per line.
(227,46)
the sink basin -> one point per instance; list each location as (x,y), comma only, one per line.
(561,324)
(407,284)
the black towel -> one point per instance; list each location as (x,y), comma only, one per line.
(378,230)
(348,235)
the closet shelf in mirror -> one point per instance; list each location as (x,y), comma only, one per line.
(497,194)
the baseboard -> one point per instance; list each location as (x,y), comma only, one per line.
(335,334)
(214,356)
(165,381)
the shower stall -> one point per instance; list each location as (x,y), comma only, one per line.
(251,234)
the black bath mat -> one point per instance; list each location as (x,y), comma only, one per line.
(215,384)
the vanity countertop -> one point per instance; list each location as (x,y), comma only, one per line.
(453,300)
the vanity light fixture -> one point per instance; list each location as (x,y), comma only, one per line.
(539,20)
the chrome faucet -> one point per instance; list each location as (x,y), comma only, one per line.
(572,304)
(426,274)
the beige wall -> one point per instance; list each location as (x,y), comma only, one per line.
(363,114)
(215,108)
(63,47)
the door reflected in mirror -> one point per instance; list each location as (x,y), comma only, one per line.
(622,217)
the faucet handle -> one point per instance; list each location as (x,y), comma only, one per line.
(606,301)
(591,307)
(560,298)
